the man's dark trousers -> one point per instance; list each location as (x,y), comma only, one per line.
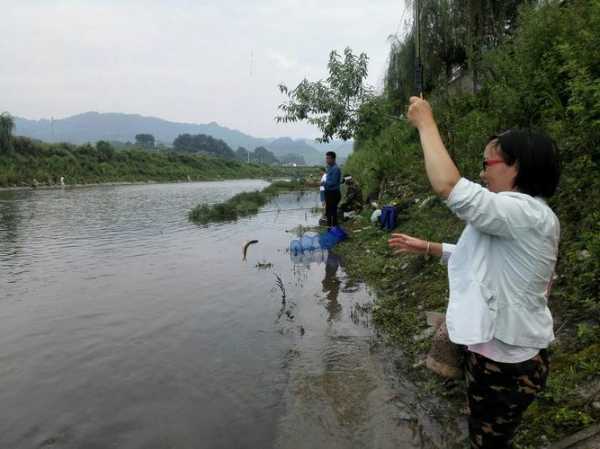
(332,199)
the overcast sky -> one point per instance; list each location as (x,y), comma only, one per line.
(194,61)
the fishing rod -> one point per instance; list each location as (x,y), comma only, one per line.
(286,210)
(418,62)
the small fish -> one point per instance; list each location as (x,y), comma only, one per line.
(245,247)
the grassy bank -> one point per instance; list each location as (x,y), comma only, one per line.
(407,286)
(245,203)
(101,163)
(545,76)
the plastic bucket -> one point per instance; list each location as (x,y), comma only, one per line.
(307,243)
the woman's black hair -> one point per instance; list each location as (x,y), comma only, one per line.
(536,156)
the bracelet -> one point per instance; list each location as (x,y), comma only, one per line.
(428,247)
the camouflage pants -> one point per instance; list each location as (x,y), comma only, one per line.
(499,393)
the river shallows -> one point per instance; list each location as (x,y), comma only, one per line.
(124,325)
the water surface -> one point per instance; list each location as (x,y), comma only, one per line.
(123,325)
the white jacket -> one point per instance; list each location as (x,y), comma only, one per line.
(501,268)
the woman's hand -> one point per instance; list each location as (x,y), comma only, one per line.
(419,113)
(402,243)
(441,171)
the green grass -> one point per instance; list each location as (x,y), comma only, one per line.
(546,76)
(245,203)
(408,285)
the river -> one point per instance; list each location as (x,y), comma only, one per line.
(123,325)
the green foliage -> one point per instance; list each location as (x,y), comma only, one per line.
(260,155)
(242,154)
(374,115)
(530,80)
(102,163)
(332,104)
(545,75)
(145,141)
(7,125)
(455,34)
(242,204)
(263,156)
(201,143)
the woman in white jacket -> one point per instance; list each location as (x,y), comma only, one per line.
(499,271)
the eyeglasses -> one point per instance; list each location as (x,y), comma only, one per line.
(488,162)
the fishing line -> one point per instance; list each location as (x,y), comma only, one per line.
(286,210)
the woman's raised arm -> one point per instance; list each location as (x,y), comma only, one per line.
(441,171)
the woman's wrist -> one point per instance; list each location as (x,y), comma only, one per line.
(428,125)
(432,248)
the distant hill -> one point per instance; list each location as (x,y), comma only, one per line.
(341,148)
(94,126)
(284,146)
(117,127)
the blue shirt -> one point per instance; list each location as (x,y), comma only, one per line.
(334,178)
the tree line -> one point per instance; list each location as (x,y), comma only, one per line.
(184,143)
(28,162)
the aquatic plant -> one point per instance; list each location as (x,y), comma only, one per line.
(279,284)
(264,265)
(243,204)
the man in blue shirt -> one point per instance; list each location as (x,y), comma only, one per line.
(332,189)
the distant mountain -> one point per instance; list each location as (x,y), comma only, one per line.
(284,146)
(94,126)
(117,127)
(342,148)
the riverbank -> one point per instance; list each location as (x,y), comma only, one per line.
(39,164)
(407,286)
(553,45)
(123,183)
(76,186)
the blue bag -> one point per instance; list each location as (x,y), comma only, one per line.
(339,233)
(329,239)
(388,218)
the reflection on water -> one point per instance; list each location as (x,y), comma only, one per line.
(331,283)
(331,286)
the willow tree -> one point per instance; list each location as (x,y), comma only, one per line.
(332,104)
(7,125)
(454,33)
